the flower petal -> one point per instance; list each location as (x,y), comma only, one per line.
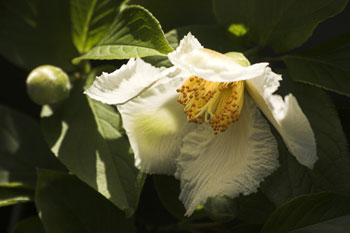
(155,124)
(286,116)
(229,163)
(187,45)
(124,83)
(191,57)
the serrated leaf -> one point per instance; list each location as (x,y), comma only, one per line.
(134,33)
(36,32)
(332,169)
(22,150)
(307,210)
(84,135)
(29,225)
(90,20)
(66,204)
(326,65)
(282,25)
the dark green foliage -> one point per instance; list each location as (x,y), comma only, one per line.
(78,168)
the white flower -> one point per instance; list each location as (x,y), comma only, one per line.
(199,120)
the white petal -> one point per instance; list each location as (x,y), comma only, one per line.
(229,163)
(124,83)
(155,124)
(187,45)
(191,57)
(286,116)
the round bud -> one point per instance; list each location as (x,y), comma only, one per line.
(48,85)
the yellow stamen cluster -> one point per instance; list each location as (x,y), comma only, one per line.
(218,103)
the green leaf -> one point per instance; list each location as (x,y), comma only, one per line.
(134,33)
(307,210)
(282,25)
(326,66)
(22,149)
(219,208)
(15,193)
(168,190)
(335,225)
(332,169)
(255,208)
(36,32)
(85,135)
(190,12)
(90,21)
(66,204)
(29,225)
(245,228)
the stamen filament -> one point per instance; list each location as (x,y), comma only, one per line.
(218,103)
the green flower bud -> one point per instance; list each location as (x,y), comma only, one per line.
(48,85)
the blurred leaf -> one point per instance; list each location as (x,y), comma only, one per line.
(307,210)
(332,169)
(66,204)
(15,193)
(255,208)
(22,149)
(176,13)
(335,225)
(29,225)
(244,228)
(326,66)
(84,135)
(134,33)
(36,32)
(283,25)
(168,190)
(90,20)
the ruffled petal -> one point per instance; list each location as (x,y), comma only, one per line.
(186,45)
(286,115)
(124,83)
(191,57)
(155,124)
(229,163)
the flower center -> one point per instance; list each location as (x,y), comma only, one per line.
(218,103)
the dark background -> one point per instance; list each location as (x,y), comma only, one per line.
(13,94)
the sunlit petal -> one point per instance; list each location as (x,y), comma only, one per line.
(155,124)
(211,65)
(124,83)
(286,115)
(230,163)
